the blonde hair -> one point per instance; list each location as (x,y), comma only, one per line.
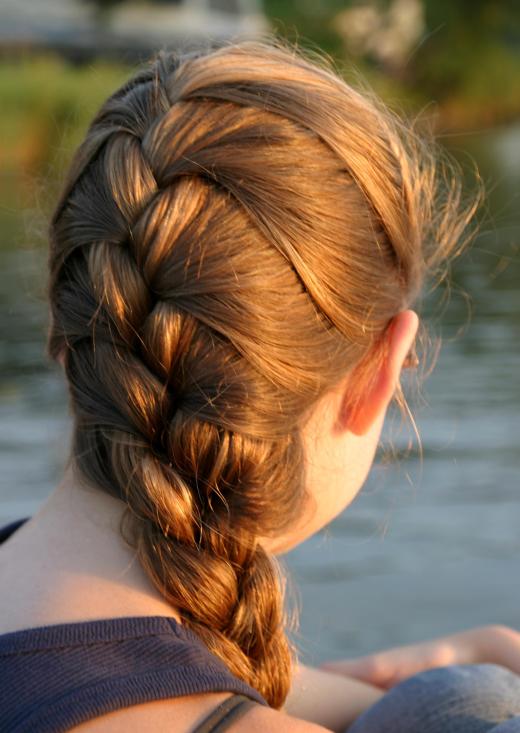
(237,230)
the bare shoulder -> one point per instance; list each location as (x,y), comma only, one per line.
(182,715)
(266,720)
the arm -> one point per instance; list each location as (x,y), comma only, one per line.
(336,695)
(484,645)
(327,699)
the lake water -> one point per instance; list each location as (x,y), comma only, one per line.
(430,546)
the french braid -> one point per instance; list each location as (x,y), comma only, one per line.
(236,231)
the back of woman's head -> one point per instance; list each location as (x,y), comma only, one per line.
(237,231)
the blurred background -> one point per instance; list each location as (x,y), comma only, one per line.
(432,544)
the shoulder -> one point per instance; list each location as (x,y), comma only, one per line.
(266,720)
(182,715)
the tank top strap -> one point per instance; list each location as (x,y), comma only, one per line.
(226,713)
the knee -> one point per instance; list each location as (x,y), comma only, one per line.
(472,698)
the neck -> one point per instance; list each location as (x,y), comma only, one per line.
(80,566)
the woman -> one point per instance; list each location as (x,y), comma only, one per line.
(233,263)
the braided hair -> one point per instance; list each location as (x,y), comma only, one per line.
(237,230)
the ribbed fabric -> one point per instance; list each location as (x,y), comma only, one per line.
(55,677)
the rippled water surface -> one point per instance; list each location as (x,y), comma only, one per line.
(429,546)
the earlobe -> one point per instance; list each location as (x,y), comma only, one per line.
(375,396)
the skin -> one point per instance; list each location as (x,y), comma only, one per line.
(68,563)
(340,443)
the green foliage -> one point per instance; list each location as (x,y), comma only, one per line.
(307,23)
(463,38)
(104,5)
(47,105)
(467,62)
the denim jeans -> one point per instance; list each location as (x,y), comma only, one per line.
(482,698)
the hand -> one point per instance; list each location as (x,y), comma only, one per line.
(487,644)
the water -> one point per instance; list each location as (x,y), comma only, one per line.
(430,546)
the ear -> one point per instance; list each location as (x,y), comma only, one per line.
(375,397)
